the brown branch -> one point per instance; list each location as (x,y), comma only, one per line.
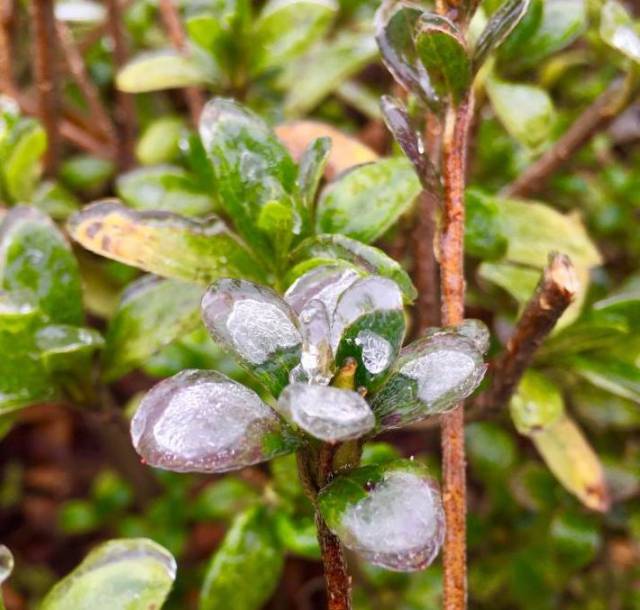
(594,119)
(174,28)
(452,297)
(79,72)
(555,292)
(125,107)
(44,69)
(335,568)
(6,52)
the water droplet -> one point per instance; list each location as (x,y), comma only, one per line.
(399,525)
(317,357)
(202,421)
(376,351)
(6,563)
(327,413)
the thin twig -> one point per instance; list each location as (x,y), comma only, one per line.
(6,52)
(174,28)
(44,69)
(125,108)
(555,292)
(335,568)
(83,80)
(594,119)
(452,296)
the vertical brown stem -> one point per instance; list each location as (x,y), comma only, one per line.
(335,568)
(6,71)
(44,69)
(125,108)
(173,25)
(452,295)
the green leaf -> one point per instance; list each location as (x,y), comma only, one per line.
(287,28)
(618,31)
(500,25)
(252,169)
(526,111)
(576,538)
(152,313)
(338,247)
(298,535)
(483,236)
(163,187)
(86,173)
(519,282)
(442,50)
(311,169)
(65,348)
(340,59)
(245,570)
(224,499)
(536,404)
(159,70)
(160,141)
(35,258)
(54,200)
(616,376)
(366,201)
(519,37)
(21,164)
(135,574)
(390,514)
(601,410)
(492,451)
(164,243)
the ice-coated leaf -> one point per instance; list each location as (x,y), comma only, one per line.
(618,31)
(365,201)
(368,325)
(163,187)
(202,421)
(536,404)
(368,258)
(199,250)
(340,59)
(6,563)
(390,514)
(395,26)
(526,111)
(160,141)
(246,569)
(442,50)
(253,170)
(573,462)
(35,258)
(134,573)
(316,359)
(326,413)
(152,313)
(311,169)
(346,150)
(80,11)
(66,350)
(257,326)
(432,375)
(166,69)
(500,25)
(287,28)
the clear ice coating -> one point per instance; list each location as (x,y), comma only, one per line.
(367,295)
(376,351)
(6,563)
(324,283)
(316,359)
(399,525)
(202,421)
(326,413)
(251,320)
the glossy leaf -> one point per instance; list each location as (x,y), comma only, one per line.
(287,28)
(152,313)
(311,169)
(257,326)
(298,535)
(326,413)
(484,236)
(160,141)
(35,258)
(64,348)
(245,570)
(327,248)
(54,200)
(395,26)
(159,70)
(86,173)
(432,375)
(520,282)
(500,25)
(573,462)
(390,514)
(537,403)
(615,376)
(366,201)
(526,111)
(618,31)
(136,574)
(254,172)
(442,51)
(202,421)
(6,563)
(317,364)
(163,187)
(163,243)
